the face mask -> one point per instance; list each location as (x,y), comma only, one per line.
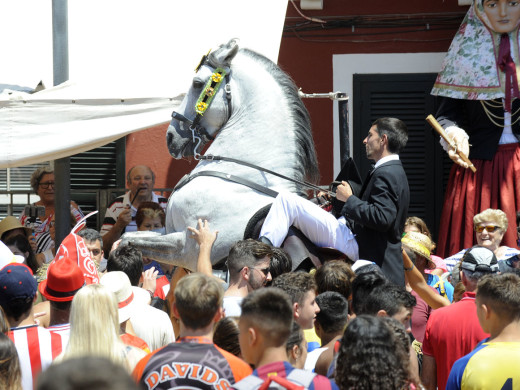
(161,231)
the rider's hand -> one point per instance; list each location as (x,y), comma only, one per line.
(343,192)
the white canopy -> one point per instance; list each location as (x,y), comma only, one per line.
(129,62)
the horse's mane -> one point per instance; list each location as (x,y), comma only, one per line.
(306,153)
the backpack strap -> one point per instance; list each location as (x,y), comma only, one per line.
(296,380)
(440,287)
(251,382)
(301,377)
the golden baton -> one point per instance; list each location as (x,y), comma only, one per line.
(438,128)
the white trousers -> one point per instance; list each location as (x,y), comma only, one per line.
(319,226)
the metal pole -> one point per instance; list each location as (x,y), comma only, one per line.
(342,99)
(60,56)
(344,136)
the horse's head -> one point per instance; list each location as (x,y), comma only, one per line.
(206,106)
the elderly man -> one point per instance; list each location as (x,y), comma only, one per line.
(120,215)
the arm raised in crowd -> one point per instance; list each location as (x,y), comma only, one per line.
(419,285)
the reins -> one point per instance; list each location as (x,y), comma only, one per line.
(211,157)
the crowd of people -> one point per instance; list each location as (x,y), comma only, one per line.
(390,316)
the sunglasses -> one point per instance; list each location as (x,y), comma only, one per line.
(489,229)
(265,271)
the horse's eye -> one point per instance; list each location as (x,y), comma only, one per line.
(197,84)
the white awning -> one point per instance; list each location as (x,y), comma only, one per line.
(129,63)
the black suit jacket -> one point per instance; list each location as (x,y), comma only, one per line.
(378,215)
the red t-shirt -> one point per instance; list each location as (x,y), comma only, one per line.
(452,332)
(421,313)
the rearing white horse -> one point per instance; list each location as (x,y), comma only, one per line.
(252,110)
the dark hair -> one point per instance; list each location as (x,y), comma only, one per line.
(149,209)
(501,292)
(368,357)
(86,373)
(161,304)
(270,311)
(396,132)
(295,338)
(128,259)
(390,298)
(333,314)
(368,268)
(10,371)
(18,308)
(281,262)
(296,285)
(22,243)
(246,253)
(335,275)
(362,285)
(91,235)
(226,335)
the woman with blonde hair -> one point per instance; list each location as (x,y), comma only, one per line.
(94,328)
(490,226)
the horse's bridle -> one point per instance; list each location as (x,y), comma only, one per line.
(199,133)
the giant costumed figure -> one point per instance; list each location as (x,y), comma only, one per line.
(480,109)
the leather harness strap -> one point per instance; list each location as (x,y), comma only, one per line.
(225,176)
(211,157)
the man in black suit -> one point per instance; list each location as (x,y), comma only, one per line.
(373,216)
(379,211)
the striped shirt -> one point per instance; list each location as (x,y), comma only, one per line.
(64,331)
(37,347)
(118,205)
(41,228)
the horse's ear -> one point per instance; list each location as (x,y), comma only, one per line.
(225,53)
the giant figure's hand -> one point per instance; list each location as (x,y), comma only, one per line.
(460,138)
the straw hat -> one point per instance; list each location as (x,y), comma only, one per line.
(11,223)
(420,244)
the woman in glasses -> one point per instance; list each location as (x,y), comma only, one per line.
(43,184)
(490,226)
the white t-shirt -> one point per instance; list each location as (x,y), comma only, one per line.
(232,306)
